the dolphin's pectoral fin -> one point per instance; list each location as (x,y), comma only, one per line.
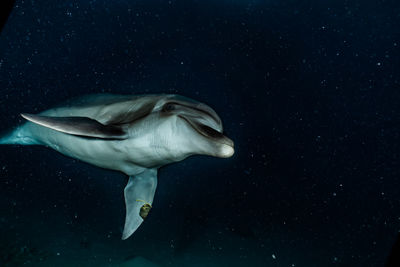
(139,194)
(81,126)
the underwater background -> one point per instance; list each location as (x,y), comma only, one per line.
(309,91)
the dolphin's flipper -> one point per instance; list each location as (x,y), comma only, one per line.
(81,126)
(139,194)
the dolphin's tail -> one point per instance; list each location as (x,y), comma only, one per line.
(17,136)
(10,137)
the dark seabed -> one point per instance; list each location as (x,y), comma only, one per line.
(308,90)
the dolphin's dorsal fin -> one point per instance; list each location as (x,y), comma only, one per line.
(139,195)
(81,126)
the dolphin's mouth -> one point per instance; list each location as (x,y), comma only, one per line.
(209,132)
(214,134)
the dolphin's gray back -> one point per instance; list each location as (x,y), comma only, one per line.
(106,108)
(92,100)
(84,106)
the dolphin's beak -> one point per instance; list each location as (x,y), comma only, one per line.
(225,144)
(217,136)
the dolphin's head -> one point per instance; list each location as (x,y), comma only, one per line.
(189,127)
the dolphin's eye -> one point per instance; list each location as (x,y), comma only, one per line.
(169,107)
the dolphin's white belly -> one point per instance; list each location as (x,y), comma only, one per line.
(106,154)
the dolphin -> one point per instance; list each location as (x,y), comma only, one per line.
(132,134)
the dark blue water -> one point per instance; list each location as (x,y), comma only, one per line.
(308,90)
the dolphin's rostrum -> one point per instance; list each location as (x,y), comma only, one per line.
(132,134)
